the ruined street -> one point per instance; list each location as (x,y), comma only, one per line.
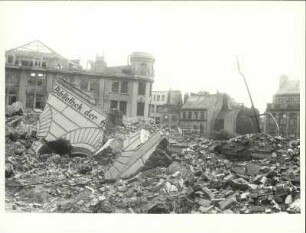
(142,168)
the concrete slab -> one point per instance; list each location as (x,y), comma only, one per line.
(131,162)
(134,140)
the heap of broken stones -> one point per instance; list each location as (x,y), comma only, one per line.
(254,173)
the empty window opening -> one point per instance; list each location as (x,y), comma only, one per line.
(140,109)
(122,107)
(115,87)
(114,104)
(124,87)
(142,88)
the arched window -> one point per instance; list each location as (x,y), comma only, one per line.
(143,69)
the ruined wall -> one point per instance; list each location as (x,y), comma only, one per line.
(132,98)
(286,110)
(193,119)
(175,98)
(162,105)
(245,122)
(288,121)
(98,87)
(230,122)
(213,111)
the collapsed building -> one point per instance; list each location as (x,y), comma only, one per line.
(285,108)
(206,113)
(70,164)
(31,70)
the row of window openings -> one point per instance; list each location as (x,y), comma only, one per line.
(159,97)
(123,86)
(33,80)
(122,106)
(288,100)
(87,85)
(35,63)
(173,118)
(145,69)
(11,79)
(194,116)
(158,109)
(35,100)
(37,79)
(11,98)
(32,63)
(284,115)
(283,119)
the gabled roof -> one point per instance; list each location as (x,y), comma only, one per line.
(35,46)
(203,101)
(226,112)
(38,47)
(289,87)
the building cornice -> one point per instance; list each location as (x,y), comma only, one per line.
(90,74)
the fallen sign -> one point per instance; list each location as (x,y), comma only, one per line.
(70,114)
(132,161)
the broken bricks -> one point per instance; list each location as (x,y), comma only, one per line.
(196,181)
(239,183)
(227,203)
(14,109)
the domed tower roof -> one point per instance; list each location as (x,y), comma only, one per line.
(142,55)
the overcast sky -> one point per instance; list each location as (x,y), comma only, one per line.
(195,44)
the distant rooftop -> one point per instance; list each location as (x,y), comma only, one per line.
(288,86)
(142,54)
(203,101)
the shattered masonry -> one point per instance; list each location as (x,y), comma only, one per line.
(31,69)
(248,174)
(65,153)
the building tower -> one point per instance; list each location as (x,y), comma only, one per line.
(142,64)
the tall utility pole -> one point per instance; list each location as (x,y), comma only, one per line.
(256,119)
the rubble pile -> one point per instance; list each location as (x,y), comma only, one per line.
(254,173)
(131,127)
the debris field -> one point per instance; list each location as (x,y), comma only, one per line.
(144,169)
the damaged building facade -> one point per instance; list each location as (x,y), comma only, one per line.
(285,108)
(31,70)
(165,107)
(206,113)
